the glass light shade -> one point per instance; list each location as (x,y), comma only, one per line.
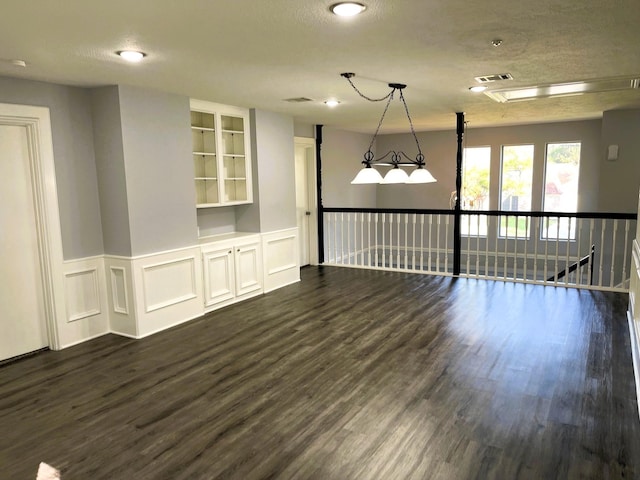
(395,175)
(421,175)
(367,175)
(347,9)
(132,55)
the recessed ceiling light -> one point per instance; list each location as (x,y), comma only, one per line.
(478,88)
(348,9)
(131,55)
(332,103)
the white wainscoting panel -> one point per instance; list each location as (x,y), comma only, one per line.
(83,294)
(280,254)
(168,283)
(122,315)
(167,289)
(119,295)
(86,301)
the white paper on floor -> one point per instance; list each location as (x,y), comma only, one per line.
(47,472)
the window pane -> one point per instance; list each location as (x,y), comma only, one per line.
(562,170)
(515,188)
(476,167)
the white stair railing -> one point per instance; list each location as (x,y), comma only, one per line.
(573,250)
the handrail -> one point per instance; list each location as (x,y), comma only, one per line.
(572,268)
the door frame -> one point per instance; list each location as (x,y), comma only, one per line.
(37,123)
(309,144)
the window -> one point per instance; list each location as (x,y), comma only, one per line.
(562,169)
(476,167)
(515,188)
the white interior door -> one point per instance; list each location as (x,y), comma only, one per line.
(302,203)
(22,308)
(306,200)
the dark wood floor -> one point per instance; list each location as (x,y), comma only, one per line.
(350,374)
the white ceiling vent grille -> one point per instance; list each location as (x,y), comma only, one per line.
(496,77)
(298,100)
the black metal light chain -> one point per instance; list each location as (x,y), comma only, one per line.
(348,77)
(390,97)
(413,132)
(368,156)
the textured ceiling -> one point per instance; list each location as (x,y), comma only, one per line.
(258,53)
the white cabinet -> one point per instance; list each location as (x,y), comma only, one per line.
(232,268)
(221,139)
(219,281)
(248,269)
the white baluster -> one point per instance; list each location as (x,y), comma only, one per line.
(506,247)
(536,239)
(384,244)
(486,247)
(413,242)
(525,273)
(591,259)
(429,250)
(438,245)
(446,243)
(626,247)
(375,232)
(477,246)
(566,281)
(370,263)
(555,268)
(406,242)
(422,216)
(495,250)
(579,270)
(613,253)
(468,243)
(603,226)
(398,243)
(546,251)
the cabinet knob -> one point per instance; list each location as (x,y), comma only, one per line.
(230,251)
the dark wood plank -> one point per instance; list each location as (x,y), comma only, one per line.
(350,374)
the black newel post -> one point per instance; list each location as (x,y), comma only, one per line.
(319,194)
(457,237)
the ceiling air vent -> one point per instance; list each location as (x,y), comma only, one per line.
(497,77)
(298,100)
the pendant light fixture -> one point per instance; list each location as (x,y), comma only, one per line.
(394,159)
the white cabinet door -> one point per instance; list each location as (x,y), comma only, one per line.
(219,281)
(248,269)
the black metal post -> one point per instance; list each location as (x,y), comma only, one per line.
(457,236)
(319,194)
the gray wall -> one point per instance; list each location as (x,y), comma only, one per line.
(71,126)
(301,129)
(217,220)
(342,154)
(440,148)
(110,165)
(159,169)
(274,192)
(620,179)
